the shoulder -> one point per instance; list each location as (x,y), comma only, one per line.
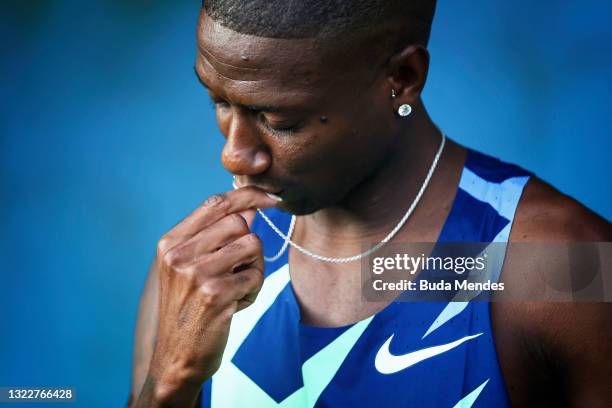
(554,344)
(544,214)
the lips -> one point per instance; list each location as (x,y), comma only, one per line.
(270,190)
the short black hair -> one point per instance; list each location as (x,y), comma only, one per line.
(314,18)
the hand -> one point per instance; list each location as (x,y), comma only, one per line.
(210,267)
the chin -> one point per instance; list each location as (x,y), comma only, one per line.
(299,206)
(305,205)
(296,208)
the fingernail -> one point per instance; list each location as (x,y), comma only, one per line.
(274,197)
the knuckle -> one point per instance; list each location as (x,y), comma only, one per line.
(168,258)
(190,272)
(254,277)
(211,292)
(234,247)
(254,238)
(172,257)
(253,241)
(163,245)
(237,221)
(244,277)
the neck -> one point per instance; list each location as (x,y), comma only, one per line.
(377,204)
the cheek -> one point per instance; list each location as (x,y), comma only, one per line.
(304,155)
(292,154)
(339,150)
(356,144)
(322,157)
(323,167)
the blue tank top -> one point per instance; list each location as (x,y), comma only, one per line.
(448,350)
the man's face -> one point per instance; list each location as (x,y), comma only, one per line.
(305,121)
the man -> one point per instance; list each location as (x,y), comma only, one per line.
(320,106)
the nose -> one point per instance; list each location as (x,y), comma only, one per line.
(244,152)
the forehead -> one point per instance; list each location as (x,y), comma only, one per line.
(227,56)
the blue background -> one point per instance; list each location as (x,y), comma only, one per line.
(108,140)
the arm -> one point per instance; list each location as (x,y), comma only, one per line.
(554,352)
(208,267)
(146,332)
(144,340)
(584,334)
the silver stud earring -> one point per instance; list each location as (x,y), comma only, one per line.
(404,110)
(393,95)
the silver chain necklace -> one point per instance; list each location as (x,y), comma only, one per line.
(400,224)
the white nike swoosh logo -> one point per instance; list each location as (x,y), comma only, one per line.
(387,363)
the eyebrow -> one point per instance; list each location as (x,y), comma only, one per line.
(254,108)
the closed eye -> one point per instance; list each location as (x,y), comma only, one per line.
(218,103)
(283,128)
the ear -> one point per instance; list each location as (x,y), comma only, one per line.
(407,73)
